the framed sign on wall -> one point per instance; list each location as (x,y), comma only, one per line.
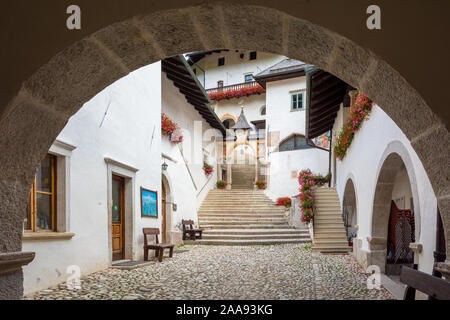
(149,203)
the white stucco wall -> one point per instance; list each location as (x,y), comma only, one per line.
(234,69)
(363,162)
(402,193)
(282,182)
(124,136)
(134,115)
(280,117)
(187,192)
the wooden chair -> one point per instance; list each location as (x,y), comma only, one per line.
(436,288)
(158,247)
(189,233)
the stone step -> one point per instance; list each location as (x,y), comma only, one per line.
(245,226)
(234,214)
(247,211)
(321,220)
(338,234)
(256,231)
(328,206)
(330,242)
(247,206)
(339,250)
(240,222)
(326,201)
(254,237)
(243,191)
(240,219)
(226,242)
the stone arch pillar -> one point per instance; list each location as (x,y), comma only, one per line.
(394,157)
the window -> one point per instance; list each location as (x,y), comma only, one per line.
(295,142)
(248,77)
(41,211)
(253,55)
(297,100)
(221,62)
(220,84)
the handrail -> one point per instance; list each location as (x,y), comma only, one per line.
(233,87)
(187,167)
(207,181)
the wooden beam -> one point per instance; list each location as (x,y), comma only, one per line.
(185,80)
(184,85)
(319,129)
(332,110)
(433,286)
(324,107)
(175,61)
(327,86)
(320,77)
(324,121)
(182,73)
(193,95)
(338,93)
(196,99)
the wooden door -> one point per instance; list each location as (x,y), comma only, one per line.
(118,223)
(163,227)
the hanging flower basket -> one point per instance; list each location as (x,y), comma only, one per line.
(220,184)
(261,184)
(208,169)
(238,92)
(170,129)
(284,201)
(359,112)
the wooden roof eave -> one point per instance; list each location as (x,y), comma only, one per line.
(180,73)
(325,94)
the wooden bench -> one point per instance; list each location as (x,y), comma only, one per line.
(189,233)
(158,247)
(436,288)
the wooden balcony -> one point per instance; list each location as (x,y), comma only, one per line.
(235,91)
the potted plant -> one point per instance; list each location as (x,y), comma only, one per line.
(260,184)
(208,169)
(220,184)
(284,201)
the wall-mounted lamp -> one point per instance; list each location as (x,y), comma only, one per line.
(164,166)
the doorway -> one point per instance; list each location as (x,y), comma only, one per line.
(118,221)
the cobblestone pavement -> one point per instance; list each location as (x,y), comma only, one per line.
(225,272)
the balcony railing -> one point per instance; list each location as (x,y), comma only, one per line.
(235,91)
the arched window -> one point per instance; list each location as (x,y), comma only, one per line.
(228,123)
(294,142)
(263,110)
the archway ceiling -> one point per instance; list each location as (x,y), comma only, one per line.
(411,39)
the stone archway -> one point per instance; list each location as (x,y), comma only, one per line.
(394,159)
(45,102)
(350,210)
(168,210)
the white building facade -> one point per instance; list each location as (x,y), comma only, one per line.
(86,209)
(276,138)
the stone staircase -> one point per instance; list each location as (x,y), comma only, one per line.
(329,231)
(242,176)
(245,217)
